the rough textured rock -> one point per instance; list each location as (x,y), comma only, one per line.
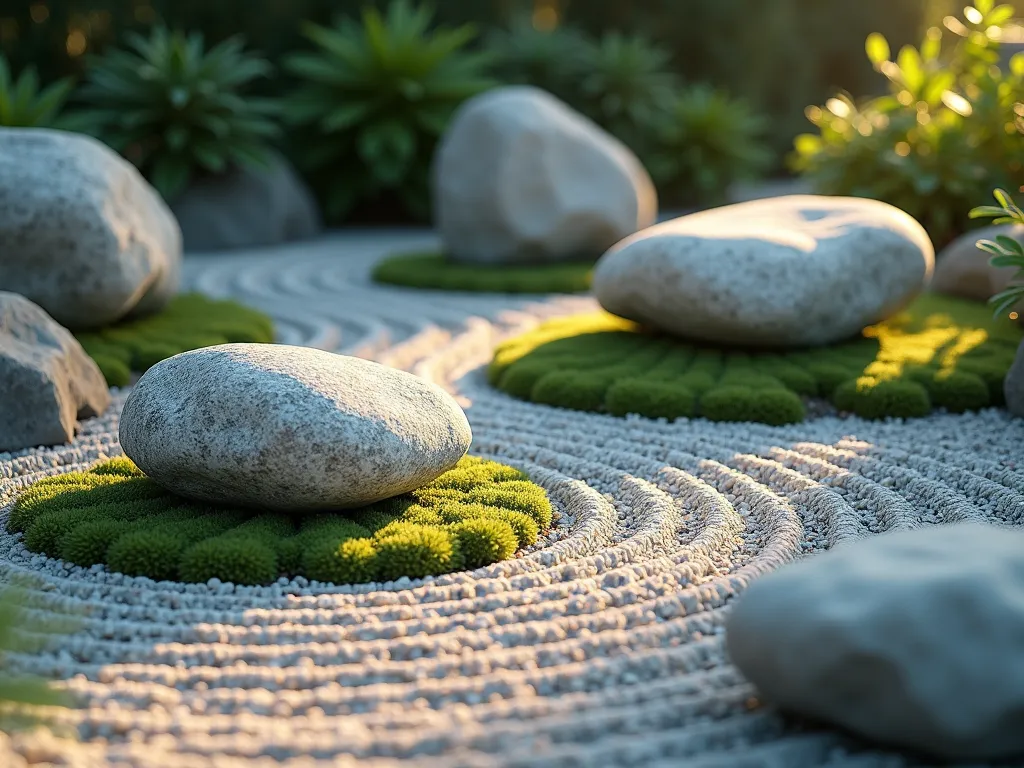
(1013,384)
(911,638)
(81,232)
(289,428)
(788,271)
(520,177)
(962,270)
(247,208)
(48,380)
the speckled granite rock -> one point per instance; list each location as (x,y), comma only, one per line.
(520,177)
(963,270)
(1013,384)
(81,232)
(788,271)
(911,638)
(289,428)
(48,382)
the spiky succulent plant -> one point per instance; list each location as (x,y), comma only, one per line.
(376,96)
(24,103)
(177,109)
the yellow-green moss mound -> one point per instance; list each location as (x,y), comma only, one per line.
(189,321)
(476,514)
(939,353)
(437,271)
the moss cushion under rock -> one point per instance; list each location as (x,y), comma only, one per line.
(189,321)
(475,514)
(938,353)
(437,271)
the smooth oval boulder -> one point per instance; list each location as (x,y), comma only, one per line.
(912,639)
(793,271)
(520,177)
(289,428)
(48,380)
(82,234)
(962,269)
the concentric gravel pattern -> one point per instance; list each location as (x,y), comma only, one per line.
(601,647)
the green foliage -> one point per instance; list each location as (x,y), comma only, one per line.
(942,138)
(436,270)
(25,104)
(939,353)
(550,59)
(177,110)
(1006,251)
(706,141)
(189,321)
(114,515)
(374,100)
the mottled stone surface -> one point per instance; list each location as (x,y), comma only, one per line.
(963,270)
(788,271)
(247,208)
(912,639)
(289,428)
(1013,384)
(520,177)
(48,381)
(82,234)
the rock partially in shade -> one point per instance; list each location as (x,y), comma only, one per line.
(961,269)
(289,428)
(912,639)
(82,234)
(48,380)
(792,271)
(1013,384)
(520,177)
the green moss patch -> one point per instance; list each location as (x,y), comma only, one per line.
(939,353)
(437,271)
(476,514)
(189,321)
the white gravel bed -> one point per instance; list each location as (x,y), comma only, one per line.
(602,646)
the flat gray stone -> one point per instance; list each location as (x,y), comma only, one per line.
(247,208)
(798,270)
(82,234)
(289,428)
(48,380)
(912,639)
(520,177)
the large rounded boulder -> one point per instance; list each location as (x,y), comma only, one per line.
(289,428)
(912,639)
(520,177)
(799,270)
(82,234)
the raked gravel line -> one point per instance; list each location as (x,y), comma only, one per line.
(601,647)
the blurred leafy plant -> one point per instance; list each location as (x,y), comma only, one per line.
(1006,251)
(377,94)
(626,86)
(176,109)
(25,631)
(706,141)
(944,135)
(24,103)
(549,59)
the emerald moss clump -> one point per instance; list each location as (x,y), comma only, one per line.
(476,514)
(437,271)
(189,321)
(939,353)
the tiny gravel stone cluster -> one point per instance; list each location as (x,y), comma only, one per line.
(601,646)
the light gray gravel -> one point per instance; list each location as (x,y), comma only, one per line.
(601,647)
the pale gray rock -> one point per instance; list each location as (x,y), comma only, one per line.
(1013,384)
(82,234)
(911,639)
(247,208)
(289,428)
(48,380)
(520,177)
(962,270)
(798,270)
